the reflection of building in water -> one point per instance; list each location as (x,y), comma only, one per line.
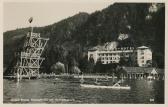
(109,53)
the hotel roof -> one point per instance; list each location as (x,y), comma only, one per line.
(143,47)
(97,48)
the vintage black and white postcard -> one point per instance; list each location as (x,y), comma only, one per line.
(83,52)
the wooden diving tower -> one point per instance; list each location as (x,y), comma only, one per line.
(29,59)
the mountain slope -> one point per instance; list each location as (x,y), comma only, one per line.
(58,33)
(131,18)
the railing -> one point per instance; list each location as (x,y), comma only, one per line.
(25,54)
(120,49)
(33,34)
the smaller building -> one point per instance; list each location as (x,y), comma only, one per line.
(144,72)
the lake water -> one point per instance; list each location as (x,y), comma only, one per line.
(69,91)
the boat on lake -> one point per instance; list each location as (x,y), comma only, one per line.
(105,87)
(97,84)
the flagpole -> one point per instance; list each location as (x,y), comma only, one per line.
(31,27)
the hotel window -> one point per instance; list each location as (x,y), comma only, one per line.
(142,57)
(142,61)
(142,52)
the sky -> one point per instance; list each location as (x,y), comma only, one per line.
(16,14)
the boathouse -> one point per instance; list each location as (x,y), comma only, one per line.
(144,72)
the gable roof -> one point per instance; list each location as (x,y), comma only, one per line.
(154,71)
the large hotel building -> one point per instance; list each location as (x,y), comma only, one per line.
(108,53)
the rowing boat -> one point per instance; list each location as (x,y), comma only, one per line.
(104,87)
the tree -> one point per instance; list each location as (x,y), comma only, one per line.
(58,68)
(71,62)
(120,71)
(112,68)
(76,70)
(91,64)
(122,61)
(84,64)
(149,63)
(98,68)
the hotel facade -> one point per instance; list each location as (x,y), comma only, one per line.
(110,54)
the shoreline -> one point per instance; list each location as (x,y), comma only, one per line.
(84,76)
